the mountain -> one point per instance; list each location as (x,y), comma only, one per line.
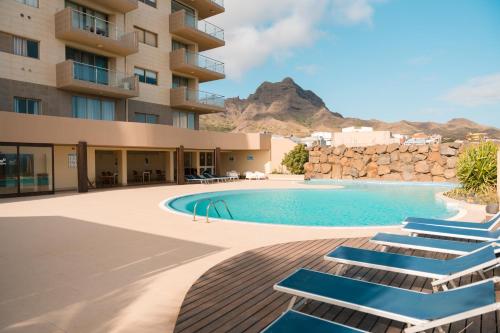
(285,108)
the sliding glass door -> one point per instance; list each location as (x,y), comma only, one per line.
(26,169)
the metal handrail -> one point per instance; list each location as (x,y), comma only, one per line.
(211,203)
(196,205)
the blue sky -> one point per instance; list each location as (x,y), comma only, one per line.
(373,59)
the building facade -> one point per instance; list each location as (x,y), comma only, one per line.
(107,92)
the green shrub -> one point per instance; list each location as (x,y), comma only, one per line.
(295,159)
(477,168)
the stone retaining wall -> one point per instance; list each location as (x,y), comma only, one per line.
(388,162)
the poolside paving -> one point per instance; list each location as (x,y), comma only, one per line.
(237,295)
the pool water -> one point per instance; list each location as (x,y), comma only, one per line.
(357,204)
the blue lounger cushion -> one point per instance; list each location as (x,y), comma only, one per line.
(387,301)
(297,322)
(419,266)
(475,234)
(456,224)
(428,244)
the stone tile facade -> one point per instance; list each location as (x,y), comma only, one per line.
(429,163)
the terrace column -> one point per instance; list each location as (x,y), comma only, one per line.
(170,166)
(180,165)
(122,167)
(81,162)
(217,160)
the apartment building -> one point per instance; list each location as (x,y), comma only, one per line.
(109,92)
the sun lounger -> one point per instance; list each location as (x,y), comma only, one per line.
(428,244)
(195,179)
(296,322)
(489,225)
(420,311)
(441,271)
(461,233)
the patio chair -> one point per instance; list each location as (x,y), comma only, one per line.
(250,175)
(420,311)
(490,225)
(137,177)
(428,244)
(160,175)
(441,271)
(293,321)
(461,233)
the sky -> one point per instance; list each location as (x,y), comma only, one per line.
(419,60)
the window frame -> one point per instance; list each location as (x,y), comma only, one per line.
(101,102)
(151,3)
(25,2)
(146,116)
(26,100)
(144,33)
(25,42)
(145,75)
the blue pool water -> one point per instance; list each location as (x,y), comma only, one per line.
(357,204)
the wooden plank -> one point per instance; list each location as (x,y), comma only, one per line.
(237,295)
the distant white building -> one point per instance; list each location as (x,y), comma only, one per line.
(362,137)
(423,139)
(316,138)
(357,129)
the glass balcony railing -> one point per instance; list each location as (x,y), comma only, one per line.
(104,76)
(202,97)
(204,62)
(95,25)
(218,2)
(204,26)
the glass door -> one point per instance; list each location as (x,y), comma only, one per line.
(26,169)
(9,181)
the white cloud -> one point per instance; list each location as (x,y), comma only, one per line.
(309,69)
(477,91)
(352,11)
(261,29)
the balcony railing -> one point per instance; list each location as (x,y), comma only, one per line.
(203,97)
(95,25)
(82,28)
(204,26)
(198,60)
(79,77)
(218,2)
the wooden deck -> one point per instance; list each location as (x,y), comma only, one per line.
(237,295)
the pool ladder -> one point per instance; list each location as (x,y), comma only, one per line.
(211,203)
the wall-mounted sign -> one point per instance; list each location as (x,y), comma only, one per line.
(249,157)
(231,158)
(72,161)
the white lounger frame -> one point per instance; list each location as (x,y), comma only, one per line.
(414,232)
(414,324)
(497,222)
(438,279)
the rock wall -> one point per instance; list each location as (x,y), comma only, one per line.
(427,163)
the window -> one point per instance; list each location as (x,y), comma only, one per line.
(183,119)
(32,3)
(146,118)
(146,76)
(177,6)
(24,47)
(179,81)
(91,108)
(151,3)
(147,37)
(178,45)
(207,162)
(88,19)
(26,105)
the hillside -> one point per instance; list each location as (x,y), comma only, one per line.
(285,108)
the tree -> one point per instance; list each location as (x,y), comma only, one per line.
(295,159)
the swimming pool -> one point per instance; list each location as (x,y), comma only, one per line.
(356,204)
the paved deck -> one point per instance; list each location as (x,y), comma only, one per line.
(237,294)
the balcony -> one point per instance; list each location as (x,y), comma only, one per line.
(195,64)
(78,77)
(120,6)
(206,8)
(79,27)
(194,100)
(187,26)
